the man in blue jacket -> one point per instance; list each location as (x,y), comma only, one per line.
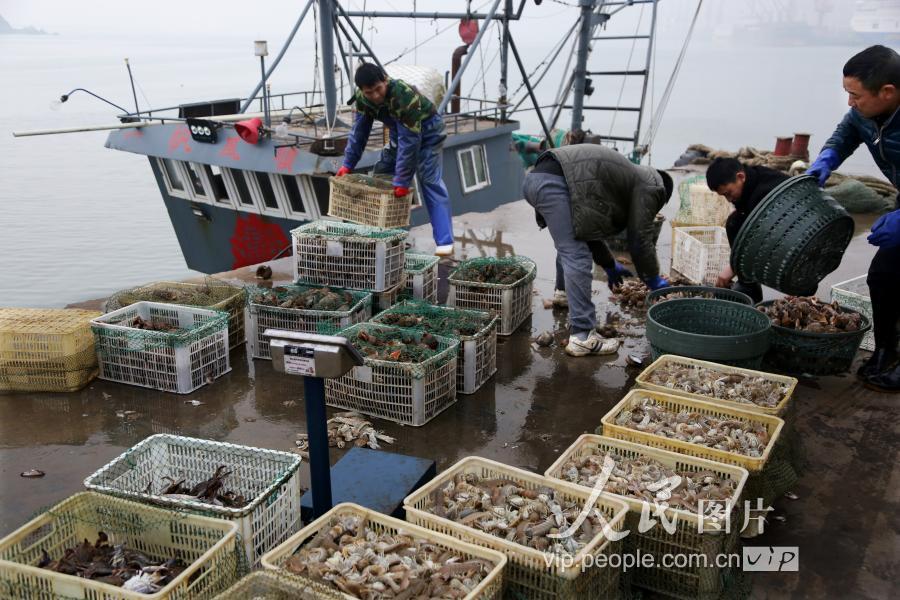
(416,144)
(872,82)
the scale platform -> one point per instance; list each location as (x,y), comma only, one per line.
(375,479)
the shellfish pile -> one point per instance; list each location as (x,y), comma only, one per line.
(395,345)
(491,272)
(114,564)
(728,434)
(632,293)
(505,509)
(808,313)
(441,323)
(645,478)
(345,428)
(737,387)
(150,325)
(323,298)
(368,563)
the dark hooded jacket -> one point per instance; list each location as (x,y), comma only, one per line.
(759,182)
(610,194)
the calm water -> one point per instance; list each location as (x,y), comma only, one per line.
(79,221)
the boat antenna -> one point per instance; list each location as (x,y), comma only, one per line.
(137,109)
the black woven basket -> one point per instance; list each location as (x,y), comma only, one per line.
(793,238)
(794,351)
(697,291)
(720,331)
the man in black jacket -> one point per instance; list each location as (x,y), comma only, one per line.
(744,186)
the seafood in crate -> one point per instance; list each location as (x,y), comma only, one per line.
(257,488)
(349,256)
(352,552)
(409,375)
(476,331)
(500,285)
(808,313)
(711,381)
(302,308)
(514,511)
(699,498)
(854,295)
(367,200)
(421,277)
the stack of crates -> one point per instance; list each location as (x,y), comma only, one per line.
(512,301)
(46,350)
(421,277)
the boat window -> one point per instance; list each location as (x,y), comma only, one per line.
(195,179)
(217,182)
(292,189)
(266,191)
(473,168)
(172,176)
(243,192)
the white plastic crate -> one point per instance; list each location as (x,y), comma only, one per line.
(511,301)
(348,256)
(854,294)
(476,361)
(700,253)
(422,276)
(407,393)
(268,479)
(260,317)
(173,362)
(705,207)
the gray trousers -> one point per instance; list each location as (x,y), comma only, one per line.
(549,196)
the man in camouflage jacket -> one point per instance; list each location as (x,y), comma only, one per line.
(415,145)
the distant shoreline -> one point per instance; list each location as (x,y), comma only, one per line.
(7,29)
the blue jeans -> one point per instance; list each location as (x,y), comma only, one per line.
(549,196)
(430,171)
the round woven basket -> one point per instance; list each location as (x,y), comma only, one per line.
(697,291)
(795,351)
(720,331)
(793,238)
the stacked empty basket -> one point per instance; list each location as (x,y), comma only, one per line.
(206,545)
(46,350)
(411,393)
(531,573)
(700,253)
(710,535)
(349,256)
(854,294)
(212,294)
(489,588)
(352,199)
(512,300)
(700,206)
(357,307)
(476,331)
(269,481)
(180,361)
(422,277)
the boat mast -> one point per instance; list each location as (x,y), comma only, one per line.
(326,33)
(580,74)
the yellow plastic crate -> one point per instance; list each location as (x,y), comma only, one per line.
(717,537)
(489,587)
(633,398)
(269,585)
(367,205)
(779,410)
(531,573)
(46,350)
(206,545)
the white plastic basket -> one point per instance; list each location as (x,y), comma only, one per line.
(173,362)
(854,294)
(700,253)
(511,301)
(406,393)
(268,479)
(348,256)
(422,276)
(704,207)
(260,317)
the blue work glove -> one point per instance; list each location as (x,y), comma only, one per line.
(616,274)
(655,283)
(886,231)
(827,161)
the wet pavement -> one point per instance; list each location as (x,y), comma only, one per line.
(845,521)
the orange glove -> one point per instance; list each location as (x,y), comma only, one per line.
(399,192)
(342,171)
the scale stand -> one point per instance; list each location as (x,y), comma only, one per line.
(372,478)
